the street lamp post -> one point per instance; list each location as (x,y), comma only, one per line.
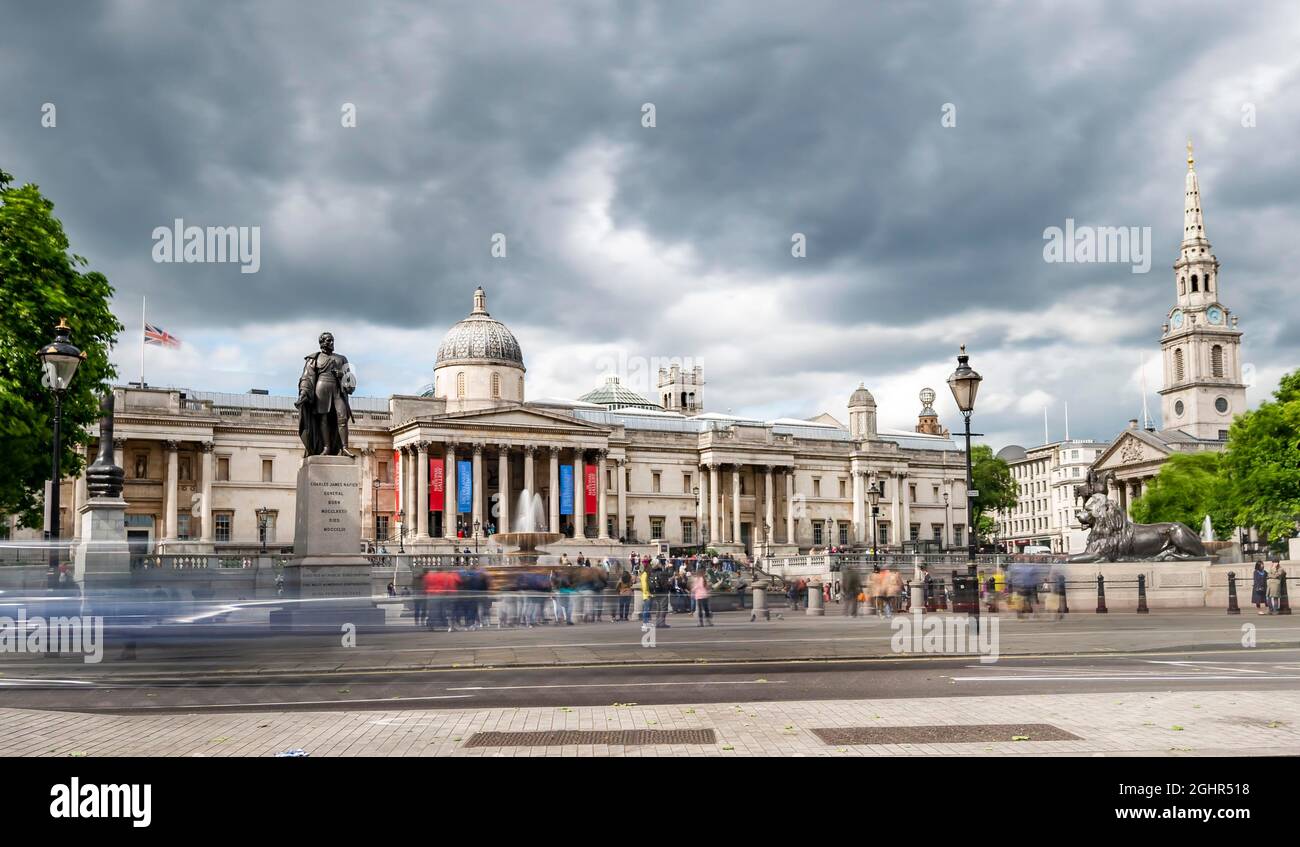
(374,485)
(401,533)
(262,514)
(477,524)
(873,497)
(59,362)
(965,383)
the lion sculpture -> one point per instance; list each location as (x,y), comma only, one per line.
(1113,537)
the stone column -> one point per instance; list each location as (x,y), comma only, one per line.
(119,452)
(579,496)
(477,494)
(769,502)
(701,499)
(449,493)
(715,524)
(502,519)
(205,503)
(530,484)
(904,495)
(555,490)
(602,517)
(896,515)
(947,514)
(858,530)
(789,507)
(622,498)
(170,489)
(367,498)
(735,504)
(422,490)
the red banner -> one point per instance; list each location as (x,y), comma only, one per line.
(397,475)
(589,489)
(437,469)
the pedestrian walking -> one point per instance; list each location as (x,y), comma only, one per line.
(852,585)
(1275,577)
(700,593)
(1259,589)
(624,596)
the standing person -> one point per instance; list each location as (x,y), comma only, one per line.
(659,585)
(420,603)
(852,585)
(700,593)
(646,604)
(893,583)
(1259,589)
(876,590)
(1275,577)
(624,596)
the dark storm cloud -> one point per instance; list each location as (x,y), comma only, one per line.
(772,119)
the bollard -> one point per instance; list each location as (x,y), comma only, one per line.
(816,606)
(1061,588)
(760,610)
(1283,604)
(1101,594)
(1142,594)
(1233,608)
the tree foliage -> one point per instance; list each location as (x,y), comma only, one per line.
(40,283)
(1189,487)
(1262,463)
(998,491)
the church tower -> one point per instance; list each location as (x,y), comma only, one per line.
(1203,389)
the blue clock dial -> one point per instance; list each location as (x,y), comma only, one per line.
(1215,314)
(1177,319)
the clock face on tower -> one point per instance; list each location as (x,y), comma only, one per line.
(1177,318)
(1215,315)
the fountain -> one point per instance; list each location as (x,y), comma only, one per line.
(527,536)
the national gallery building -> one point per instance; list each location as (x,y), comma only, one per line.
(208,471)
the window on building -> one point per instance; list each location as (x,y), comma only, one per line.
(183,527)
(496,385)
(688,531)
(687,479)
(882,532)
(223,469)
(381,527)
(611,527)
(844,533)
(916,532)
(221,525)
(1216,360)
(1182,285)
(654,482)
(956,535)
(817,488)
(656,529)
(268,469)
(911,492)
(1178,364)
(936,530)
(843,490)
(460,384)
(1195,285)
(936,494)
(817,533)
(384,477)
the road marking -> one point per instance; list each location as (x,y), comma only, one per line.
(1103,678)
(261,704)
(18,683)
(1211,666)
(613,685)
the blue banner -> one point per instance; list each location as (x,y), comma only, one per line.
(464,487)
(566,489)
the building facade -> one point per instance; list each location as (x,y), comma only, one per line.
(1045,512)
(473,456)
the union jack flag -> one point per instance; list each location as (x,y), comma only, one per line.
(159,337)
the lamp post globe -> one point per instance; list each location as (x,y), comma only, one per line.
(59,362)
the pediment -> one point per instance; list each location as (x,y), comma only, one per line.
(518,417)
(1131,449)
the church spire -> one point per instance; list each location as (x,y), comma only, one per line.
(1193,219)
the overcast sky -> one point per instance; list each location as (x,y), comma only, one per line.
(626,244)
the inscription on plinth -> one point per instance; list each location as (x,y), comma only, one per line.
(328,517)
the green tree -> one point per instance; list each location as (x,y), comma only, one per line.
(40,282)
(1189,487)
(997,490)
(1262,463)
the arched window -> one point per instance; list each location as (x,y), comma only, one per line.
(496,385)
(460,384)
(521,388)
(1195,287)
(1216,360)
(1178,365)
(1182,285)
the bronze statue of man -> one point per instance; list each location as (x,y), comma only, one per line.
(323,409)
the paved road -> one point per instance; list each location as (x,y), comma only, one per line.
(1261,669)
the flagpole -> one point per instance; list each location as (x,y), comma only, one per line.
(143,333)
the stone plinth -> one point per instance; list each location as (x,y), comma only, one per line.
(328,579)
(101,556)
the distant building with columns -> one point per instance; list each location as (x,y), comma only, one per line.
(207,471)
